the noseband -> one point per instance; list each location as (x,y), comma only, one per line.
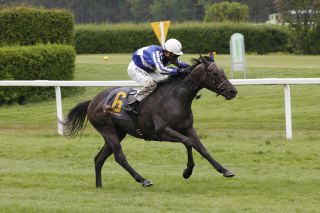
(222,84)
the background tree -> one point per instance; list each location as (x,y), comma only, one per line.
(176,10)
(160,11)
(258,9)
(99,11)
(303,17)
(299,13)
(140,9)
(226,11)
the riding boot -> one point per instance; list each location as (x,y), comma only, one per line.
(141,94)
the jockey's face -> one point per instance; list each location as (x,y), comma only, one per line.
(170,55)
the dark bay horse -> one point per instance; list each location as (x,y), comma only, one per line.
(165,115)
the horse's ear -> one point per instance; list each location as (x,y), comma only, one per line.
(204,60)
(201,58)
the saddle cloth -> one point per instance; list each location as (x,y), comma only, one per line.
(117,101)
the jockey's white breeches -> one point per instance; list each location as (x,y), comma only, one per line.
(147,79)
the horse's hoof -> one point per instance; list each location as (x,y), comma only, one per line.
(147,183)
(228,174)
(187,173)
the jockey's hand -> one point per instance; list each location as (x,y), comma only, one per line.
(186,70)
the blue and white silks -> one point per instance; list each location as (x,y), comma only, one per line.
(151,58)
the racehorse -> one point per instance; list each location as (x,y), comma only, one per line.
(165,115)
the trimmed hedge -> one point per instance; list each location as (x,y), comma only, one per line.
(315,41)
(29,26)
(306,42)
(40,62)
(195,38)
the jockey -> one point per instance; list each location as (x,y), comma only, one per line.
(148,66)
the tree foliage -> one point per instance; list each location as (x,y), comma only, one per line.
(300,13)
(140,9)
(114,11)
(303,17)
(258,9)
(226,11)
(174,10)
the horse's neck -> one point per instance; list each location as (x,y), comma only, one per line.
(188,89)
(182,89)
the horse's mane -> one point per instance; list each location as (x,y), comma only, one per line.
(194,62)
(202,59)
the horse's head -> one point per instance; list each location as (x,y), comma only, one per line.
(212,77)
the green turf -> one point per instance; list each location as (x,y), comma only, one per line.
(43,172)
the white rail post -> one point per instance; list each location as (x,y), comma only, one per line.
(59,109)
(287,100)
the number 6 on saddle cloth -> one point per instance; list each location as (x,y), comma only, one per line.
(117,101)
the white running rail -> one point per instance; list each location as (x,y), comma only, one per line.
(286,82)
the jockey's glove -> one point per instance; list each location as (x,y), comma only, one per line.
(185,70)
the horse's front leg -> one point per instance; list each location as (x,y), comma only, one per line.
(196,144)
(188,171)
(169,134)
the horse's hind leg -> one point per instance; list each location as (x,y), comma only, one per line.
(99,160)
(113,138)
(121,159)
(103,154)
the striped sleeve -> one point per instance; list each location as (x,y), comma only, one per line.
(159,65)
(181,64)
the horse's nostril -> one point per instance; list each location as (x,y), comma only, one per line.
(234,92)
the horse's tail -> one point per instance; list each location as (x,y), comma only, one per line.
(75,120)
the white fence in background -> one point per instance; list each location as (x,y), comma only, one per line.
(286,82)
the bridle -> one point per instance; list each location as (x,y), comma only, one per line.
(220,85)
(197,83)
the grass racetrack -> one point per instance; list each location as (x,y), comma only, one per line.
(43,172)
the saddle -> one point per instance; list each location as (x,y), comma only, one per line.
(117,101)
(116,104)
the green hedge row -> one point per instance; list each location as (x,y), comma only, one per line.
(314,41)
(39,62)
(307,42)
(195,38)
(29,26)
